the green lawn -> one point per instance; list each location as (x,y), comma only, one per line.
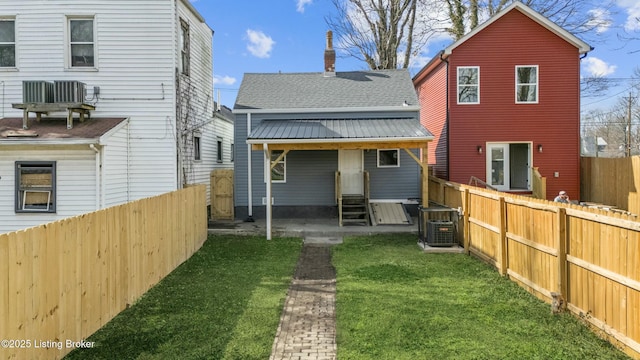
(395,302)
(223,303)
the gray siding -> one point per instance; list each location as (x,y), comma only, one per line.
(310,174)
(399,183)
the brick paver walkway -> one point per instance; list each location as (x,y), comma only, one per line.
(307,327)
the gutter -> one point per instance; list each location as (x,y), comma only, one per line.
(410,108)
(338,140)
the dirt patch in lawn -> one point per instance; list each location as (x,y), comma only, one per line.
(315,263)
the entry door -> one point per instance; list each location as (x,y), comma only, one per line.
(350,167)
(498,166)
(508,166)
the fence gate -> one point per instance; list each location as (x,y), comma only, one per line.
(222,194)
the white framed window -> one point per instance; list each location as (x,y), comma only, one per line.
(219,157)
(279,171)
(468,85)
(35,189)
(81,42)
(7,43)
(196,148)
(526,84)
(388,158)
(185,53)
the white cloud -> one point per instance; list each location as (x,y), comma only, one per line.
(601,19)
(223,80)
(260,44)
(596,67)
(632,8)
(301,5)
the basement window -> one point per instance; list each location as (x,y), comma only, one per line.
(388,158)
(35,186)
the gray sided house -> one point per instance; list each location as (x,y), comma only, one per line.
(330,137)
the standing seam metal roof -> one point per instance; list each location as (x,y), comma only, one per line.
(340,129)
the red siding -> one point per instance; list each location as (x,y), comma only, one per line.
(514,40)
(433,116)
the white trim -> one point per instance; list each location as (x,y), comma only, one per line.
(467,85)
(397,150)
(67,42)
(537,84)
(113,130)
(582,46)
(343,141)
(410,108)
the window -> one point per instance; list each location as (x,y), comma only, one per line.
(527,84)
(232,151)
(468,85)
(388,158)
(185,56)
(7,43)
(196,148)
(219,150)
(81,42)
(35,186)
(279,171)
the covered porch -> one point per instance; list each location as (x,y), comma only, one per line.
(284,136)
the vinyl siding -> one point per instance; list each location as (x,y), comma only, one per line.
(115,169)
(399,183)
(553,122)
(136,44)
(432,95)
(311,174)
(75,185)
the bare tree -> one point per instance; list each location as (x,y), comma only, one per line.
(378,32)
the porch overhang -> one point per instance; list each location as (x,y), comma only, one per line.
(338,134)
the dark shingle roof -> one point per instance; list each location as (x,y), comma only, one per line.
(408,128)
(356,89)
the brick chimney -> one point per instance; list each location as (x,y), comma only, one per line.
(329,57)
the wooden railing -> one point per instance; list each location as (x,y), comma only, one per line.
(539,184)
(588,258)
(64,280)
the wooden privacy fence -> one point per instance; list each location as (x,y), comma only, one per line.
(62,281)
(587,257)
(611,181)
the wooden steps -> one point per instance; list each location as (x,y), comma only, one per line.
(355,210)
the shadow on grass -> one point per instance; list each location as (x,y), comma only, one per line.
(395,302)
(222,303)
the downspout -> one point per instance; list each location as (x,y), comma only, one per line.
(98,161)
(447,111)
(249,186)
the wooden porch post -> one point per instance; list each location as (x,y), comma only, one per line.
(425,176)
(267,161)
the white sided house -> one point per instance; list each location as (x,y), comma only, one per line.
(101,102)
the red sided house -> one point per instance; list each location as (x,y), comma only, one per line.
(503,99)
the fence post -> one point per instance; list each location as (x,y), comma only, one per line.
(503,253)
(465,216)
(561,240)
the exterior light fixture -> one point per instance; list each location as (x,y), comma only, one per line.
(540,148)
(479,149)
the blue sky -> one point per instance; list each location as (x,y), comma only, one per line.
(289,36)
